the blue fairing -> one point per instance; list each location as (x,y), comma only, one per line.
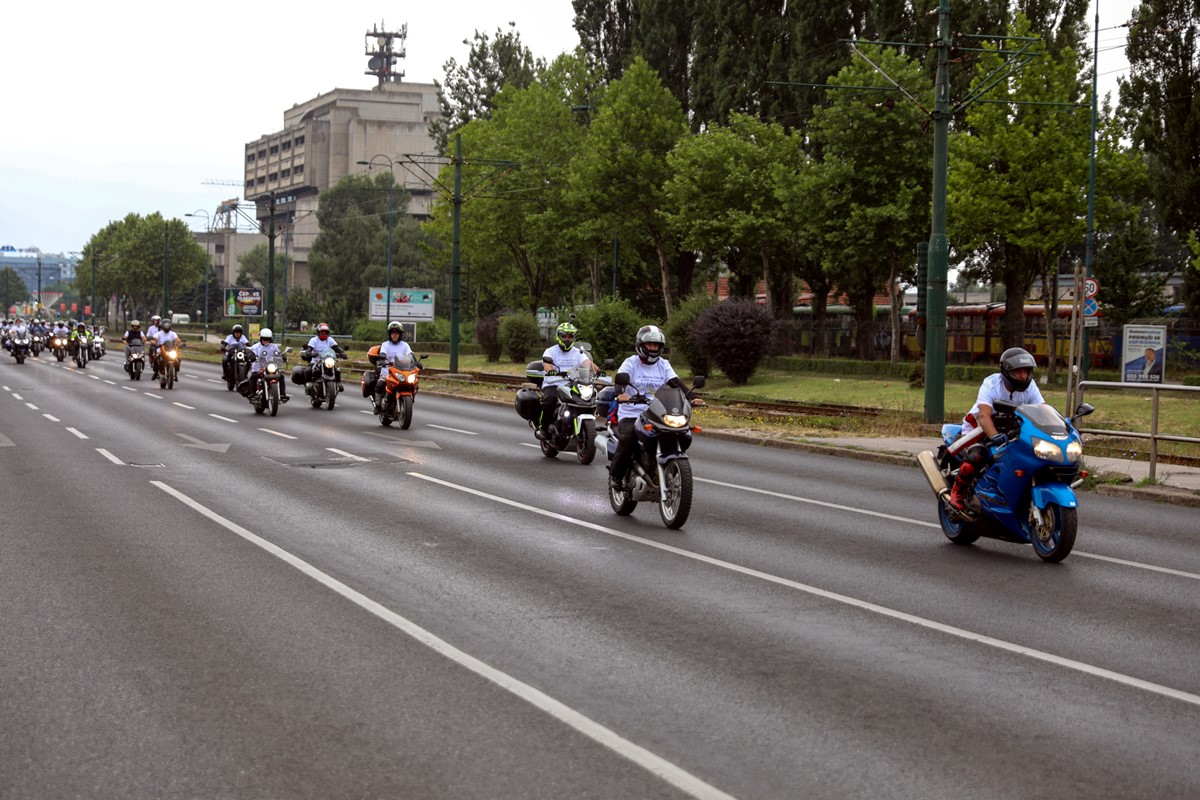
(1058,494)
(950,433)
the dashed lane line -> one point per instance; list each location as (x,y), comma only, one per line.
(453,430)
(223,419)
(181,405)
(51,417)
(110,456)
(77,433)
(276,433)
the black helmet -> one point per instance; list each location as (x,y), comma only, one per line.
(396,327)
(237,329)
(1012,359)
(650,334)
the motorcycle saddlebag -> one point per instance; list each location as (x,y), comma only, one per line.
(534,373)
(528,404)
(368,382)
(298,372)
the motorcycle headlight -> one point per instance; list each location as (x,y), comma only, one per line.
(1074,452)
(674,420)
(330,361)
(171,354)
(412,378)
(586,392)
(272,368)
(1047,451)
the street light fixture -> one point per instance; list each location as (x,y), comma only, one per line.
(208,264)
(392,167)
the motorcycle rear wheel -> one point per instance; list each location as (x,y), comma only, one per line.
(406,406)
(1054,539)
(548,448)
(620,501)
(585,447)
(958,531)
(677,477)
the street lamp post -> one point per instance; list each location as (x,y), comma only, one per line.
(391,190)
(166,266)
(208,263)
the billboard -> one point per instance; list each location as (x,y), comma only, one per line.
(407,305)
(1145,348)
(243,302)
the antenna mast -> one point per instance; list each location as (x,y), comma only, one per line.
(381,46)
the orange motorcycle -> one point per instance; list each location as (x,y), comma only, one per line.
(395,401)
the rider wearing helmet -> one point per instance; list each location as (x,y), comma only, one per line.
(165,334)
(133,336)
(559,359)
(322,343)
(1013,383)
(230,343)
(389,350)
(152,340)
(641,373)
(265,352)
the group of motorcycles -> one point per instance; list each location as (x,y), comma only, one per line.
(584,420)
(80,347)
(1027,495)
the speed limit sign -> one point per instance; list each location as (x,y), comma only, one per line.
(1091,287)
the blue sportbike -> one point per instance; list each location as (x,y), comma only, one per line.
(1027,494)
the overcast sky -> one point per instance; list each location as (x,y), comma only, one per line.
(130,105)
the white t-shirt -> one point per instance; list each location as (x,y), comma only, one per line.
(563,360)
(645,378)
(993,389)
(389,351)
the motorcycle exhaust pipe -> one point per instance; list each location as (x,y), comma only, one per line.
(929,466)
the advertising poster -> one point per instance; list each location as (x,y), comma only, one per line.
(1143,354)
(243,302)
(407,305)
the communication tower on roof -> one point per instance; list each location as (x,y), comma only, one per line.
(381,47)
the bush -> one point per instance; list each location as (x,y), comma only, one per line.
(916,375)
(680,337)
(610,326)
(736,334)
(519,335)
(487,334)
(436,331)
(366,330)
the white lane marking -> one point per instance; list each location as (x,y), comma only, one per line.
(363,411)
(110,456)
(51,417)
(276,433)
(961,633)
(347,455)
(223,419)
(129,388)
(31,405)
(77,433)
(181,405)
(645,759)
(155,396)
(7,389)
(539,447)
(110,383)
(211,380)
(926,524)
(94,377)
(455,430)
(17,396)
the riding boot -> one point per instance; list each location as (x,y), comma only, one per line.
(962,486)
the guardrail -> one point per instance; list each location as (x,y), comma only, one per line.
(1154,436)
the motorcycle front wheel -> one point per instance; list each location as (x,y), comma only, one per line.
(406,404)
(273,398)
(331,391)
(676,504)
(585,446)
(170,381)
(957,530)
(1055,537)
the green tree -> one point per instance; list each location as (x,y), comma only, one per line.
(254,268)
(470,89)
(622,166)
(605,29)
(12,289)
(610,326)
(1132,272)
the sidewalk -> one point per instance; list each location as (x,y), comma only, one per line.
(1174,481)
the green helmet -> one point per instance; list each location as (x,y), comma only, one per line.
(566,335)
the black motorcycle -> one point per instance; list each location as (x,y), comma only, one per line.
(574,424)
(58,345)
(236,365)
(659,471)
(168,363)
(37,343)
(322,379)
(268,392)
(20,345)
(136,362)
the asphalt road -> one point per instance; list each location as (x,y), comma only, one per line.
(199,602)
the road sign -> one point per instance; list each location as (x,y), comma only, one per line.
(1091,322)
(1090,307)
(1091,287)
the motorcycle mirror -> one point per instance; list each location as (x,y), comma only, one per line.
(608,363)
(1084,409)
(698,382)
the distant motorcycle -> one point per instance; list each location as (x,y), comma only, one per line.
(268,395)
(574,424)
(322,379)
(399,391)
(236,365)
(37,343)
(20,347)
(96,342)
(1027,495)
(659,471)
(58,345)
(168,354)
(82,352)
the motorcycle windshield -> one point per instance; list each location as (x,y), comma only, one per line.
(1045,418)
(403,362)
(668,400)
(582,374)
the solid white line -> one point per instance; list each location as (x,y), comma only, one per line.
(181,405)
(961,633)
(224,419)
(927,524)
(129,388)
(77,433)
(455,430)
(51,417)
(654,764)
(31,405)
(110,456)
(347,455)
(276,433)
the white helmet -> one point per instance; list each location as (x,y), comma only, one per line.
(265,333)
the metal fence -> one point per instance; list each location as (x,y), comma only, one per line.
(1154,436)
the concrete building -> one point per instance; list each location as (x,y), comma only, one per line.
(38,268)
(322,141)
